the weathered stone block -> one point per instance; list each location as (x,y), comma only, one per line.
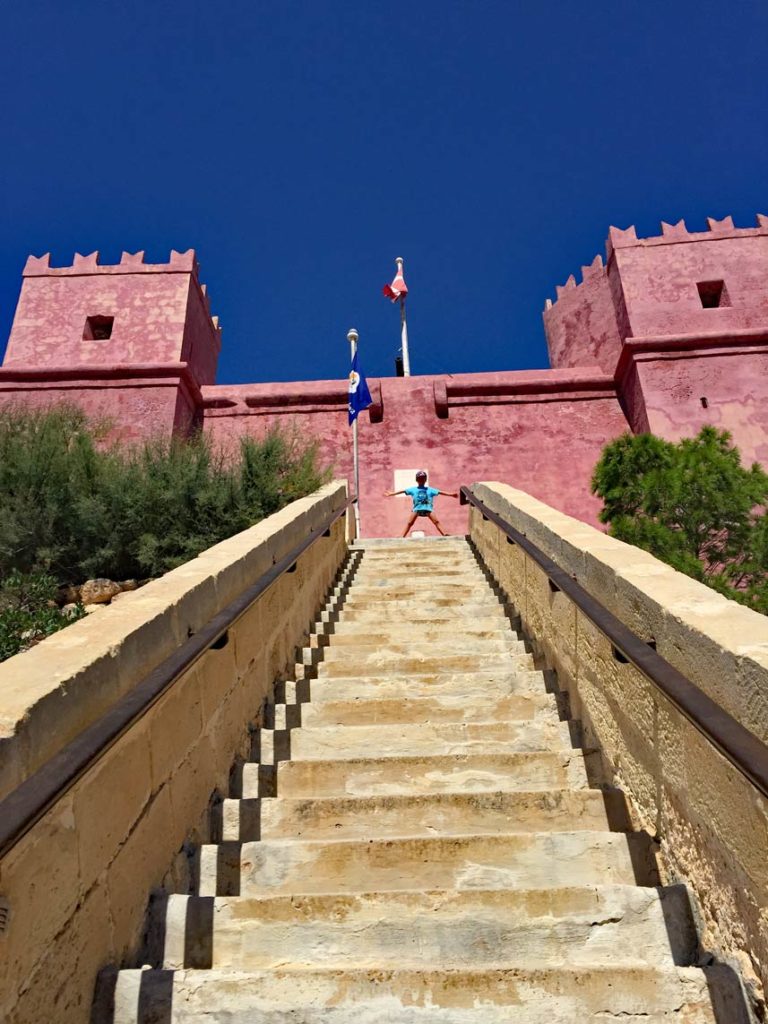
(40,878)
(109,799)
(138,867)
(709,819)
(175,724)
(61,987)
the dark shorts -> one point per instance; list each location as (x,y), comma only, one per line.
(423,511)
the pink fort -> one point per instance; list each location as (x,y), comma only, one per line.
(669,334)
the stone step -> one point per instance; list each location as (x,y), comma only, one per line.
(419,561)
(420,588)
(437,664)
(443,565)
(431,559)
(348,633)
(424,580)
(421,815)
(435,571)
(416,775)
(514,861)
(410,609)
(376,546)
(472,687)
(419,615)
(598,925)
(440,606)
(455,645)
(355,709)
(396,595)
(581,995)
(489,737)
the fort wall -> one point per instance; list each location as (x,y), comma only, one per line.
(544,429)
(668,334)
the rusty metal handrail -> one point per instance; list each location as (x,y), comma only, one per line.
(24,806)
(745,751)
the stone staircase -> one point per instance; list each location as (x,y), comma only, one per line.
(416,840)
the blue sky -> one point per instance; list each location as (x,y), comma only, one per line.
(300,146)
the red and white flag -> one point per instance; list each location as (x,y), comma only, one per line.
(398,289)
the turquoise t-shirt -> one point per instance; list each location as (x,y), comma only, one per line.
(422,497)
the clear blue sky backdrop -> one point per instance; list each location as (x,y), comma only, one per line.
(301,145)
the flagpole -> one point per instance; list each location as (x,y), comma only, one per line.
(403,327)
(352,337)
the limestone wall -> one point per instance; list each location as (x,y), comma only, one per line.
(77,884)
(710,822)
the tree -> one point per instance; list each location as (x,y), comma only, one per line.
(693,505)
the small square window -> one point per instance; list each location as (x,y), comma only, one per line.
(713,294)
(98,328)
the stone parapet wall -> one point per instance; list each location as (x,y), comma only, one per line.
(710,822)
(77,883)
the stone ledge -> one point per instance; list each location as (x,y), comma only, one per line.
(52,692)
(718,644)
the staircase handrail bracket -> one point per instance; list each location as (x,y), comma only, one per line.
(670,682)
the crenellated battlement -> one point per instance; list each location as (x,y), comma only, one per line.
(594,270)
(622,238)
(132,312)
(671,234)
(677,283)
(130,263)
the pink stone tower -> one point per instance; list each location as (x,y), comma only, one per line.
(681,322)
(133,341)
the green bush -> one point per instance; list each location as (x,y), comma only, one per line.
(73,507)
(29,612)
(693,505)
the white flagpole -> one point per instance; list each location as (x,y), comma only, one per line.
(352,337)
(403,326)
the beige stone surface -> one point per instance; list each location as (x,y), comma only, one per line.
(457,813)
(469,773)
(634,995)
(79,882)
(50,693)
(414,837)
(721,646)
(619,925)
(710,822)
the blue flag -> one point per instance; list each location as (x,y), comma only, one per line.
(359,395)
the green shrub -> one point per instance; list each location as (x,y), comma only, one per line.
(29,612)
(693,505)
(73,507)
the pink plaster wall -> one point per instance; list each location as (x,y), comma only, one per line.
(137,407)
(146,376)
(159,314)
(732,379)
(541,431)
(314,410)
(659,277)
(581,327)
(201,341)
(649,289)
